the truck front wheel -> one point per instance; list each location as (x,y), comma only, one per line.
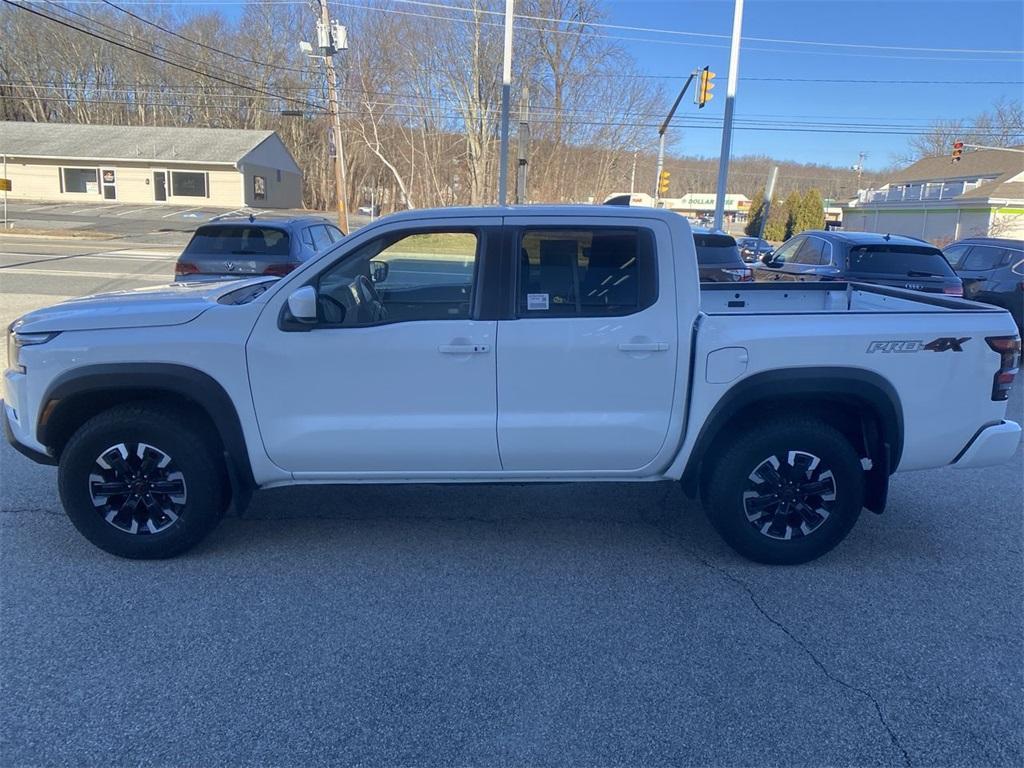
(142,481)
(786,492)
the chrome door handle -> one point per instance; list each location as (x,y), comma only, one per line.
(464,349)
(652,346)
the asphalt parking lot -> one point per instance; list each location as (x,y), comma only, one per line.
(599,624)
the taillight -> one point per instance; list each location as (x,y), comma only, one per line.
(279,270)
(185,268)
(1008,348)
(953,290)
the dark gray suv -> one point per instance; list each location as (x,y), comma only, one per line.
(992,270)
(240,246)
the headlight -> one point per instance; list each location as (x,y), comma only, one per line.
(15,342)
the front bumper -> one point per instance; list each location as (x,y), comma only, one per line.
(993,444)
(9,434)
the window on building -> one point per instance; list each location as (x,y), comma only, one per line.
(259,187)
(80,180)
(189,184)
(586,272)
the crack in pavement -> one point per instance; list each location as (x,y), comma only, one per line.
(659,525)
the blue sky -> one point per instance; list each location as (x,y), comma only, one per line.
(967,24)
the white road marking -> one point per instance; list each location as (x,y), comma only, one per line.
(41,207)
(176,213)
(82,273)
(131,210)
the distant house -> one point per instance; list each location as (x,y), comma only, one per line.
(938,200)
(216,167)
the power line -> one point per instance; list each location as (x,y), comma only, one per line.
(203,45)
(153,56)
(593,24)
(846,46)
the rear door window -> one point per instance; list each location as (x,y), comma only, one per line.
(586,272)
(985,257)
(238,240)
(318,237)
(902,260)
(717,250)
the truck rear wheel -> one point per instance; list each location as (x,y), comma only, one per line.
(786,492)
(142,481)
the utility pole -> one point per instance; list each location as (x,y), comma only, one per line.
(769,190)
(331,39)
(524,144)
(661,137)
(730,103)
(506,88)
(632,175)
(859,167)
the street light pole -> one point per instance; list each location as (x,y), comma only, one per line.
(506,88)
(730,100)
(661,136)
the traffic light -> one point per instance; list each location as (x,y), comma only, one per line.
(663,182)
(958,150)
(704,94)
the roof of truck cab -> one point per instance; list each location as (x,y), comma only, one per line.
(568,211)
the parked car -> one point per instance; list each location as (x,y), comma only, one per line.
(753,249)
(863,257)
(992,270)
(240,246)
(591,354)
(718,258)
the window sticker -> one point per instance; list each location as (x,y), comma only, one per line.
(537,302)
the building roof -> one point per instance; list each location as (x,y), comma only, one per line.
(972,164)
(128,142)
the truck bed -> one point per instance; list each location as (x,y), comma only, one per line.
(819,297)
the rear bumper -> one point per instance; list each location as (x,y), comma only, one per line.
(993,444)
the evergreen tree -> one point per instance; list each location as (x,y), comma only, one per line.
(792,209)
(775,226)
(813,210)
(756,214)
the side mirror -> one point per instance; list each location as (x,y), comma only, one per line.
(302,304)
(379,271)
(769,260)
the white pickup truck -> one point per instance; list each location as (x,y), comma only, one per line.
(507,345)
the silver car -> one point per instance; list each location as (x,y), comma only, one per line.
(237,246)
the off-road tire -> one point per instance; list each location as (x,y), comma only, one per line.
(735,491)
(198,480)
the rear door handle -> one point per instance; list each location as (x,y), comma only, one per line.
(651,346)
(464,349)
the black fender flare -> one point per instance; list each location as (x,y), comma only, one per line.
(793,385)
(122,382)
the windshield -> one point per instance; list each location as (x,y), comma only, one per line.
(902,260)
(238,240)
(717,249)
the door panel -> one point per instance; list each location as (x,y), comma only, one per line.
(387,398)
(579,393)
(365,392)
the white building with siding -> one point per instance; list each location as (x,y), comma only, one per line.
(938,200)
(216,167)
